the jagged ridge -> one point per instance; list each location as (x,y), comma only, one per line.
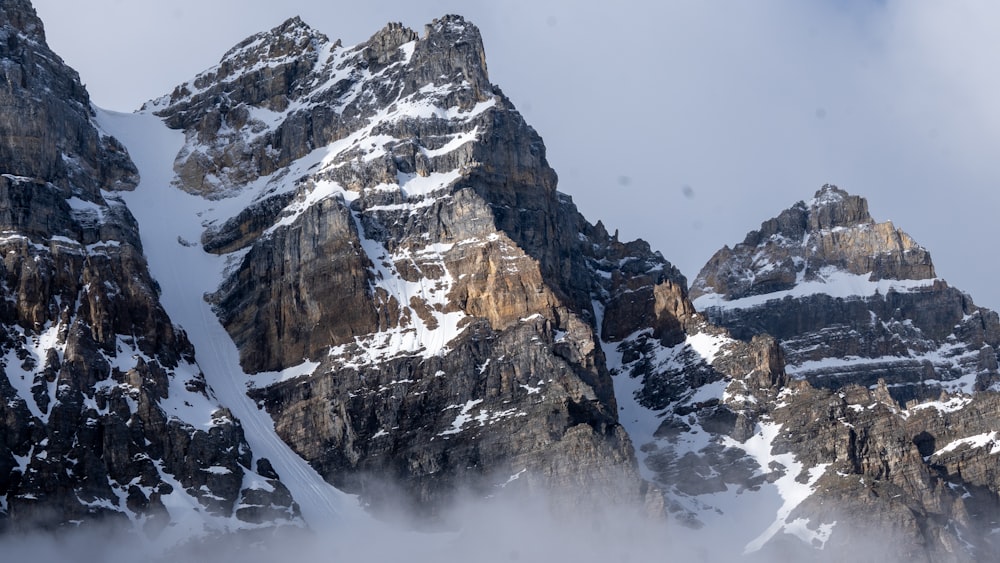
(410,297)
(851,301)
(411,290)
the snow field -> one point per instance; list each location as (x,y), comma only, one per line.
(185,271)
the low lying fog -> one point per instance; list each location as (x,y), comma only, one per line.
(481,531)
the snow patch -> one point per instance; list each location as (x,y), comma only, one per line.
(792,492)
(978,441)
(833,282)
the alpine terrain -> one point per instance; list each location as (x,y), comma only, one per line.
(318,283)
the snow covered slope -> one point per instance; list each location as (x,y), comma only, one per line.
(372,245)
(316,271)
(899,368)
(185,272)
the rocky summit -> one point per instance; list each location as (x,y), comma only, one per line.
(370,297)
(887,407)
(852,301)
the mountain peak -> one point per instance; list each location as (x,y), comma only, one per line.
(373,283)
(830,236)
(270,92)
(292,38)
(828,194)
(382,47)
(833,207)
(450,23)
(20,16)
(465,48)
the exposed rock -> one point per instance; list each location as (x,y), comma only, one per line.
(424,315)
(830,283)
(104,413)
(857,310)
(426,262)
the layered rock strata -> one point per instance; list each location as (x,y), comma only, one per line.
(105,414)
(422,314)
(890,454)
(852,301)
(396,239)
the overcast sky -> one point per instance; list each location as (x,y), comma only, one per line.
(683,123)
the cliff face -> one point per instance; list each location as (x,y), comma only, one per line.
(105,414)
(394,236)
(368,244)
(852,301)
(377,230)
(886,409)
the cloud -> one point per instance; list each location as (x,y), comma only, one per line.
(514,528)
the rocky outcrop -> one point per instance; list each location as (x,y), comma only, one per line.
(833,232)
(862,426)
(398,228)
(898,468)
(851,300)
(423,315)
(104,412)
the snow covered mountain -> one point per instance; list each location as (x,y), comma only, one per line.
(889,404)
(318,277)
(365,240)
(851,300)
(380,236)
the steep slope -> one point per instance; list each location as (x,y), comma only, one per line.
(386,292)
(105,413)
(852,301)
(409,292)
(853,467)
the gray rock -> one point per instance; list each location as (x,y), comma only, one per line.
(91,362)
(906,328)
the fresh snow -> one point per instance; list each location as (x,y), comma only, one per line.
(456,141)
(950,356)
(833,282)
(484,417)
(266,379)
(23,380)
(739,511)
(186,271)
(951,405)
(413,185)
(706,345)
(978,441)
(792,492)
(418,338)
(462,417)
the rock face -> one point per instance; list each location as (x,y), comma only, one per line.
(864,327)
(421,314)
(398,231)
(104,412)
(852,301)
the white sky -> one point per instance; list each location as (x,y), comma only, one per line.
(684,123)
